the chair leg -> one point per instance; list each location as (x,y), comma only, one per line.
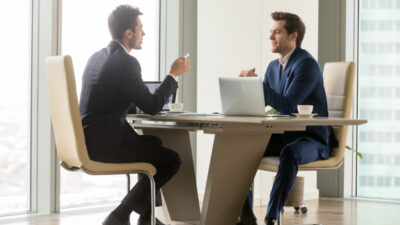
(152,195)
(128,181)
(278,221)
(153,198)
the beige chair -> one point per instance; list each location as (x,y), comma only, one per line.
(339,83)
(68,131)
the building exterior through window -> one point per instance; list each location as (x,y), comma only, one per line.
(379,99)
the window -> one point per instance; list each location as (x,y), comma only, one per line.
(15,71)
(363,181)
(371,181)
(378,99)
(380,181)
(85,31)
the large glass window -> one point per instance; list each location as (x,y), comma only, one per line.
(379,85)
(15,71)
(85,31)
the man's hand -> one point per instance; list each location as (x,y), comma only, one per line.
(180,66)
(248,73)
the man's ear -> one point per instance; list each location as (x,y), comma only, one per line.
(128,33)
(293,36)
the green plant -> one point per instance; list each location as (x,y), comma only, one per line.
(272,111)
(354,150)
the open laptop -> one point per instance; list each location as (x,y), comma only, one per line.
(242,96)
(153,85)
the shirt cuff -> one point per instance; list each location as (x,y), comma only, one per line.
(175,78)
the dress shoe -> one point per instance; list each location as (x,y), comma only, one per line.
(247,218)
(112,220)
(269,221)
(144,221)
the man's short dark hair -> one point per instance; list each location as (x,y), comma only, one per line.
(122,18)
(293,24)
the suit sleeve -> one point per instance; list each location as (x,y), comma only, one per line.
(136,91)
(306,75)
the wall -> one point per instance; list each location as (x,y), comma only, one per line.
(229,40)
(233,35)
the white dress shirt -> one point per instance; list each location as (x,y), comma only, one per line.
(283,61)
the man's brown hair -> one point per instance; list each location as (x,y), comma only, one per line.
(293,23)
(122,18)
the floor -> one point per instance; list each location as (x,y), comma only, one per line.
(324,211)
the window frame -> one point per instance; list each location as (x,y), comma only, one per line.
(176,15)
(160,25)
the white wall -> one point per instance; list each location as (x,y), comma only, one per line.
(233,35)
(229,40)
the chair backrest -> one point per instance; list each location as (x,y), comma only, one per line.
(65,116)
(339,86)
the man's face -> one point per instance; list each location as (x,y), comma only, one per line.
(281,42)
(138,33)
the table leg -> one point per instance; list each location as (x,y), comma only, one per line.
(234,163)
(180,193)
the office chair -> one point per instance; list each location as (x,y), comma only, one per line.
(68,131)
(338,83)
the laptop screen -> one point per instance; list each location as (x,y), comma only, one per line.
(153,85)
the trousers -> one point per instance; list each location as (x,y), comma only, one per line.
(166,161)
(298,152)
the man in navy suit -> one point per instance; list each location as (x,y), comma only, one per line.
(293,79)
(112,85)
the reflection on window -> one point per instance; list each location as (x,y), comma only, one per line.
(85,31)
(15,55)
(379,73)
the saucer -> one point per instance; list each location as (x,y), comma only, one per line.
(305,115)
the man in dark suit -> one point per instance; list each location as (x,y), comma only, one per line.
(293,79)
(112,85)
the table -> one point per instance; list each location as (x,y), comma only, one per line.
(238,149)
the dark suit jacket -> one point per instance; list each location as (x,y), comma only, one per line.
(112,84)
(301,83)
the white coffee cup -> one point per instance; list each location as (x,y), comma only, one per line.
(175,107)
(304,109)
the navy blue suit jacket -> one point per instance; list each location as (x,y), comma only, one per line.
(112,84)
(301,83)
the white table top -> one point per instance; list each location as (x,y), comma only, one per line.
(221,119)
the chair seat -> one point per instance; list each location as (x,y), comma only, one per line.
(100,168)
(272,163)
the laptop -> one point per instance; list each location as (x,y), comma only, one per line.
(242,96)
(153,85)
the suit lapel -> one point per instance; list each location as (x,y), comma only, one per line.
(283,78)
(277,77)
(286,73)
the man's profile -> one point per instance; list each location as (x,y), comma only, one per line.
(112,85)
